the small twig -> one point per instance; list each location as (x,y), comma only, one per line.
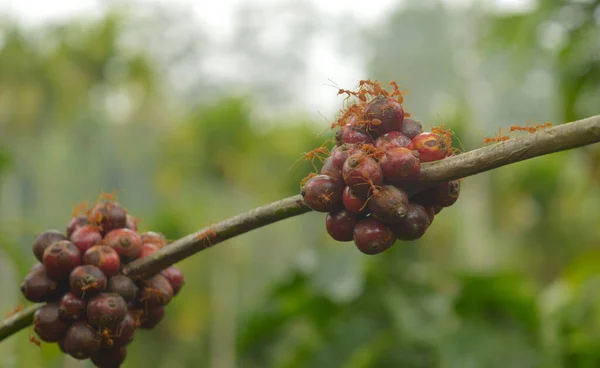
(555,139)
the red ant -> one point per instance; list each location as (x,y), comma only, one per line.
(320,153)
(34,340)
(206,235)
(17,309)
(530,129)
(80,208)
(107,336)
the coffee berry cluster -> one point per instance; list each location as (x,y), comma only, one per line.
(365,180)
(92,310)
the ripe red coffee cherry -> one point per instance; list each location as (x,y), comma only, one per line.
(362,173)
(44,240)
(400,165)
(389,204)
(373,237)
(131,223)
(108,216)
(431,146)
(81,341)
(411,128)
(323,193)
(148,249)
(109,357)
(354,202)
(175,278)
(60,258)
(156,291)
(340,225)
(87,281)
(125,331)
(106,310)
(352,135)
(127,243)
(123,286)
(48,325)
(151,316)
(154,237)
(385,114)
(85,237)
(394,139)
(75,223)
(342,153)
(330,170)
(105,258)
(71,307)
(414,225)
(38,287)
(443,195)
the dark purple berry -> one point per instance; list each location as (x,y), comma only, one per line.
(330,170)
(38,287)
(87,281)
(71,307)
(105,258)
(323,193)
(48,325)
(384,115)
(352,135)
(442,195)
(340,225)
(151,316)
(125,330)
(373,237)
(81,341)
(156,291)
(127,243)
(389,204)
(414,225)
(411,128)
(400,165)
(362,173)
(75,223)
(175,278)
(354,202)
(108,216)
(109,357)
(106,310)
(85,237)
(44,240)
(394,139)
(123,286)
(60,258)
(342,153)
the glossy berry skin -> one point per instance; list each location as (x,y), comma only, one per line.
(75,223)
(154,237)
(86,281)
(123,286)
(60,258)
(414,225)
(151,316)
(175,278)
(362,173)
(373,237)
(431,147)
(85,237)
(394,139)
(81,341)
(156,291)
(105,258)
(389,204)
(330,170)
(354,202)
(323,193)
(148,249)
(443,195)
(38,287)
(127,243)
(352,135)
(106,310)
(342,153)
(108,216)
(109,357)
(400,165)
(48,325)
(340,225)
(44,240)
(411,128)
(71,307)
(385,114)
(125,331)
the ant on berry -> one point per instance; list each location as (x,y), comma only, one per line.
(86,284)
(107,336)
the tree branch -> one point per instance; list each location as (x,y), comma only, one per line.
(546,141)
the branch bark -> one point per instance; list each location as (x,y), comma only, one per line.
(555,139)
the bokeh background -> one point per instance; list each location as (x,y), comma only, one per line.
(195,111)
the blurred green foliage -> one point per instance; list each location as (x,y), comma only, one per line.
(505,278)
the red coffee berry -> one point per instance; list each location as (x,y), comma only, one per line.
(411,128)
(431,146)
(148,249)
(60,258)
(81,341)
(151,316)
(414,225)
(384,114)
(442,195)
(362,173)
(124,331)
(108,216)
(85,237)
(373,237)
(394,139)
(330,170)
(109,357)
(105,258)
(86,281)
(48,325)
(156,291)
(389,204)
(340,225)
(38,287)
(123,286)
(131,223)
(75,223)
(154,237)
(127,243)
(354,202)
(175,278)
(71,307)
(342,153)
(323,193)
(106,310)
(44,240)
(352,135)
(400,165)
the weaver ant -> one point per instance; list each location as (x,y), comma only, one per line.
(34,340)
(17,309)
(107,336)
(320,153)
(530,129)
(206,235)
